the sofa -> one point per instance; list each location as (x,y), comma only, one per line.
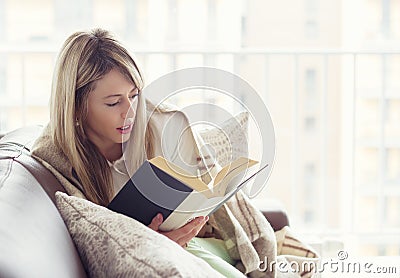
(34,241)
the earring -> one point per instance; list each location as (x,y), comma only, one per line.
(76,122)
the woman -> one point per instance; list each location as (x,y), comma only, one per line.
(96,106)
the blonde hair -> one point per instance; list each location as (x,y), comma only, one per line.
(85,58)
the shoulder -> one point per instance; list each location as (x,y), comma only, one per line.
(174,137)
(168,117)
(44,149)
(44,146)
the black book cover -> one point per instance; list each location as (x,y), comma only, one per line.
(148,192)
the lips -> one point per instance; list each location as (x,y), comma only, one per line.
(125,129)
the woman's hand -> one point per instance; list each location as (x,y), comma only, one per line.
(182,235)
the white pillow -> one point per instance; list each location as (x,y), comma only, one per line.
(113,245)
(228,141)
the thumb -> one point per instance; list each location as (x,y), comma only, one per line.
(156,222)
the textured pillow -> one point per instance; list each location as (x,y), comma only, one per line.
(228,141)
(113,245)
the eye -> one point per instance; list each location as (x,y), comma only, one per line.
(112,104)
(134,96)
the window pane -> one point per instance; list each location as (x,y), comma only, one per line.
(393,71)
(13,116)
(392,126)
(372,247)
(391,212)
(366,214)
(367,167)
(368,121)
(311,86)
(3,73)
(392,170)
(369,75)
(37,79)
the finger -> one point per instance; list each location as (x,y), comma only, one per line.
(194,224)
(186,238)
(187,228)
(156,222)
(187,232)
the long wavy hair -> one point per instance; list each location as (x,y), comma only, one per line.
(85,58)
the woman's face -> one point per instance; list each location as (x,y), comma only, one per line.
(110,119)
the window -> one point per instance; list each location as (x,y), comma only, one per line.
(395,18)
(309,216)
(390,209)
(172,34)
(311,29)
(392,120)
(392,172)
(244,19)
(309,183)
(311,7)
(3,120)
(392,70)
(310,88)
(311,82)
(309,173)
(310,123)
(211,20)
(2,19)
(3,72)
(385,23)
(311,15)
(136,23)
(72,15)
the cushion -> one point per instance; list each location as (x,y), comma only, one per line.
(113,245)
(295,252)
(228,141)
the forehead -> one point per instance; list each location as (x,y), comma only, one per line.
(114,82)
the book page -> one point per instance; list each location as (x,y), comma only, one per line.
(217,186)
(180,174)
(196,204)
(230,171)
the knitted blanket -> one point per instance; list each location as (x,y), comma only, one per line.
(249,238)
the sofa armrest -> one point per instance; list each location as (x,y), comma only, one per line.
(274,211)
(34,232)
(277,218)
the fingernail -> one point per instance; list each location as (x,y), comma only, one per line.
(159,217)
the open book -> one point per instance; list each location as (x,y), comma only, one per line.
(161,186)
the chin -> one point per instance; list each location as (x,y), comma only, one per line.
(125,138)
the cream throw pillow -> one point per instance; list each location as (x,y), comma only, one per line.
(113,245)
(228,141)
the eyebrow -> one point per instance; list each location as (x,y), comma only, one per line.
(118,95)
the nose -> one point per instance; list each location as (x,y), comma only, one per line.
(127,111)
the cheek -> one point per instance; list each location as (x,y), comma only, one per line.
(98,118)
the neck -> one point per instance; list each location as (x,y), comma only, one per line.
(112,153)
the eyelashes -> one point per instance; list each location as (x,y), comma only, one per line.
(112,104)
(115,103)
